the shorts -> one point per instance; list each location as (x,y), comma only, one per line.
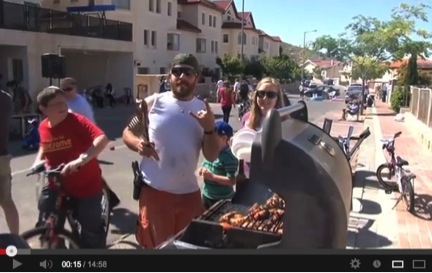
(163,215)
(5,179)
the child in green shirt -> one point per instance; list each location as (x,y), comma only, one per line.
(219,175)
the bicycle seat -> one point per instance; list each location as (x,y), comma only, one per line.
(401,162)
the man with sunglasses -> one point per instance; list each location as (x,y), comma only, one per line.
(180,126)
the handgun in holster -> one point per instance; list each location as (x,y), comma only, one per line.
(138,180)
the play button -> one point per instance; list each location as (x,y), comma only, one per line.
(15,264)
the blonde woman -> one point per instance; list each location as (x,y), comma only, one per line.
(268,95)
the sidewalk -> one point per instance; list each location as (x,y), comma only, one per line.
(414,231)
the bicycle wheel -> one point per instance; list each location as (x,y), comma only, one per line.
(384,174)
(106,211)
(408,194)
(39,234)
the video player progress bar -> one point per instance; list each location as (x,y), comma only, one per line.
(12,251)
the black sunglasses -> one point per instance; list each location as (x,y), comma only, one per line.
(269,94)
(178,71)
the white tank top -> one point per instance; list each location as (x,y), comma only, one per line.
(178,139)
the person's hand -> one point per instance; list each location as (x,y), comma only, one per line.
(72,166)
(206,174)
(147,149)
(205,117)
(36,164)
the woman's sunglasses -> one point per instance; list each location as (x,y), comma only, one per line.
(178,71)
(266,94)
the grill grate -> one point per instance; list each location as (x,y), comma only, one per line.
(225,206)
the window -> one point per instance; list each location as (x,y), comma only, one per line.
(225,38)
(74,0)
(146,37)
(210,20)
(91,2)
(214,21)
(56,2)
(162,70)
(200,45)
(18,70)
(240,38)
(122,4)
(203,18)
(178,14)
(153,38)
(254,40)
(158,6)
(143,70)
(173,42)
(169,9)
(151,5)
(214,47)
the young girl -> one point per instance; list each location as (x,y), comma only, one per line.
(219,175)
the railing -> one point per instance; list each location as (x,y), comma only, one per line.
(31,18)
(421,104)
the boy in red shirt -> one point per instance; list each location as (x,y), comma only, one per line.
(73,140)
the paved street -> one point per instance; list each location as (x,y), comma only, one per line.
(116,167)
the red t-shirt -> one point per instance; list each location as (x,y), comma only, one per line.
(226,99)
(65,142)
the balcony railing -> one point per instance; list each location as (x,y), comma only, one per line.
(31,18)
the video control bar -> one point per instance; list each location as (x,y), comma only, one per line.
(219,262)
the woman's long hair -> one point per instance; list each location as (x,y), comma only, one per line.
(256,116)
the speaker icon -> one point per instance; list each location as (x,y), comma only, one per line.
(46,264)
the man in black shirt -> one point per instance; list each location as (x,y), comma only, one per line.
(6,201)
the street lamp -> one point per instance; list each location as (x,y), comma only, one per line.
(241,37)
(304,51)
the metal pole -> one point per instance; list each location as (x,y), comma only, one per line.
(241,38)
(304,55)
(304,50)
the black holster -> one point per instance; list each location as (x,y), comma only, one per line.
(137,181)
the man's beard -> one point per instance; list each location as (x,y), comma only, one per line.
(183,90)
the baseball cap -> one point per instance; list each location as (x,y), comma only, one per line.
(185,59)
(223,128)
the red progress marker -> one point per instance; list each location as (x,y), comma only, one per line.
(2,251)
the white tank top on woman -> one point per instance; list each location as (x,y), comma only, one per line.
(178,140)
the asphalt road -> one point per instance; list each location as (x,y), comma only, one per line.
(116,167)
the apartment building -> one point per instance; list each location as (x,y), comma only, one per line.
(27,31)
(138,36)
(256,42)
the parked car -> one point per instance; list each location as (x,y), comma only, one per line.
(322,91)
(354,92)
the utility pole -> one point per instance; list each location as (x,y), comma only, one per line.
(304,51)
(241,38)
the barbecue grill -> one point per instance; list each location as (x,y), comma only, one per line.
(306,168)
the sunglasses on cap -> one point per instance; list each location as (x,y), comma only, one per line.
(268,94)
(178,71)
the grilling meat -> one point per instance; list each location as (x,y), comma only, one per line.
(260,217)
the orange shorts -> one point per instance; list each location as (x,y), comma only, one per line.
(163,214)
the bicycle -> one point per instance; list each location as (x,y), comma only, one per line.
(52,234)
(404,178)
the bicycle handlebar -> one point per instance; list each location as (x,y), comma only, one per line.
(40,168)
(388,143)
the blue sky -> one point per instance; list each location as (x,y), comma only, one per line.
(290,18)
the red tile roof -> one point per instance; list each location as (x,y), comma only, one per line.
(186,26)
(276,39)
(223,4)
(205,3)
(425,64)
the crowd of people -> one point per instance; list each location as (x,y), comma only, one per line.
(170,196)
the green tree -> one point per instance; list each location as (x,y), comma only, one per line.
(281,67)
(231,66)
(254,68)
(369,42)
